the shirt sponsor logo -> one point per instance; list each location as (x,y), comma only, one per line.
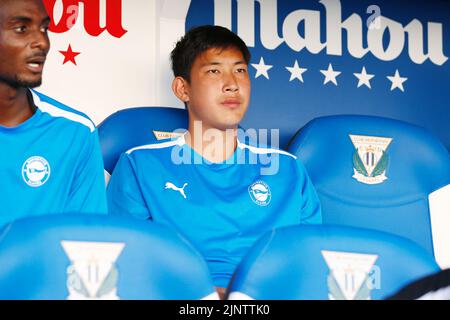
(36,171)
(260,193)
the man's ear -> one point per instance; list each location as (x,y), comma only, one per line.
(180,88)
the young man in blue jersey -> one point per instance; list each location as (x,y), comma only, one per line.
(50,156)
(208,184)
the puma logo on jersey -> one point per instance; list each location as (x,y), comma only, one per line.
(170,185)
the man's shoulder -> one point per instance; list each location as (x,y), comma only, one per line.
(153,148)
(154,156)
(58,110)
(275,161)
(266,150)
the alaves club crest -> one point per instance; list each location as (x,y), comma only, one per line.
(370,158)
(92,274)
(36,171)
(349,275)
(260,193)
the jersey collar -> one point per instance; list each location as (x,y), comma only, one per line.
(198,159)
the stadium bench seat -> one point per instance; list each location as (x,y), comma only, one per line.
(78,257)
(134,127)
(382,174)
(328,262)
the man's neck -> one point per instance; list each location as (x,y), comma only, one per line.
(15,107)
(214,145)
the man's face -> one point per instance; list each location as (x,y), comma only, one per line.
(24,42)
(219,89)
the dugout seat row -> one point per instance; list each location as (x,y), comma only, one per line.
(369,172)
(98,257)
(80,257)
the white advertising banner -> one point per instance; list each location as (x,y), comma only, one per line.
(104,55)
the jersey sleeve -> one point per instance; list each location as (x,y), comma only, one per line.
(124,193)
(311,211)
(88,190)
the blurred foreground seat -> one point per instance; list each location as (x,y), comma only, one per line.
(97,257)
(328,262)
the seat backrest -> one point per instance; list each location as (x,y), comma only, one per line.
(99,257)
(381,174)
(328,262)
(134,127)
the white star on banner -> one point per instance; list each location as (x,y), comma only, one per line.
(330,75)
(397,81)
(296,72)
(364,78)
(262,69)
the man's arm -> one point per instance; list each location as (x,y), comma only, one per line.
(88,191)
(124,193)
(311,209)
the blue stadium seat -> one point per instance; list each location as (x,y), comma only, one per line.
(98,257)
(381,174)
(328,262)
(133,127)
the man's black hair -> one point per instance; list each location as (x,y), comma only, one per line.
(198,40)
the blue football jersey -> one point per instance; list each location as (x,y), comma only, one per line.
(51,163)
(221,208)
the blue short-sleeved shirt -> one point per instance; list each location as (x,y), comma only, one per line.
(221,208)
(51,163)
